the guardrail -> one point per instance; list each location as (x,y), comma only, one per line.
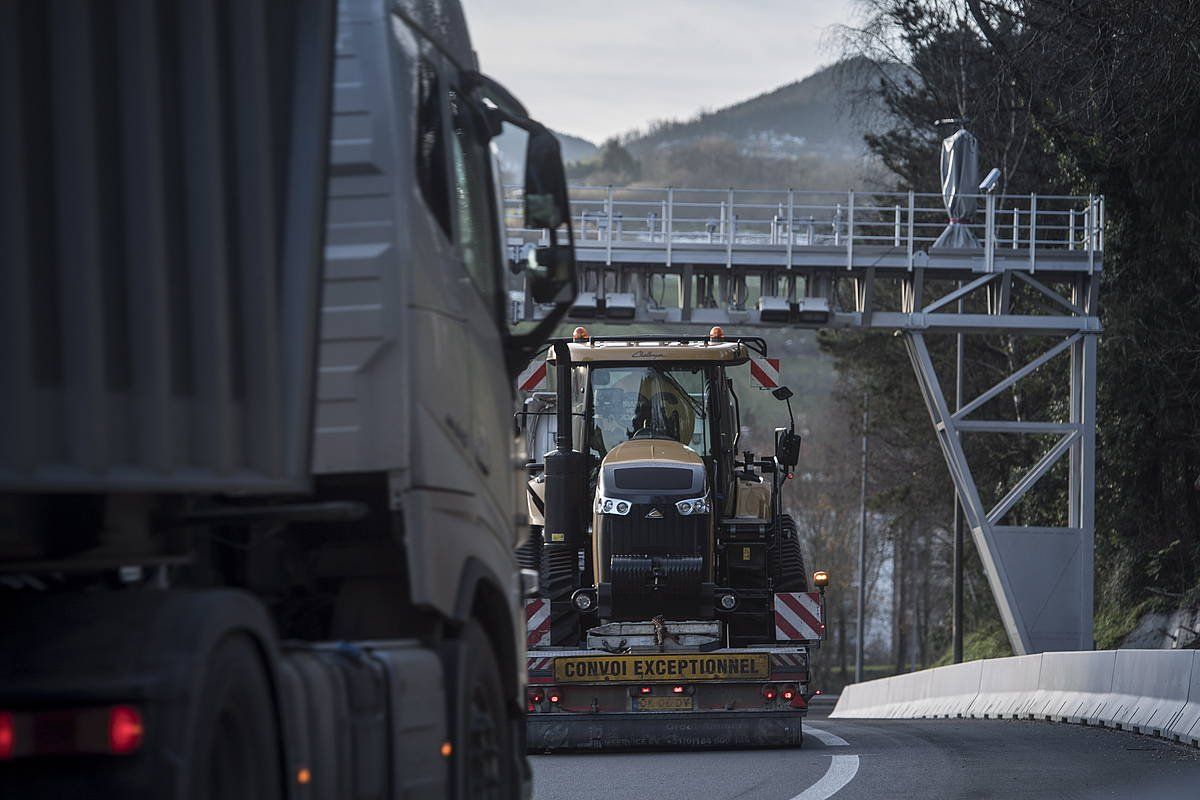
(787,218)
(1155,692)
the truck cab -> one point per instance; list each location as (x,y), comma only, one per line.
(258,499)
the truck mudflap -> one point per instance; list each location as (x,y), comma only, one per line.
(634,730)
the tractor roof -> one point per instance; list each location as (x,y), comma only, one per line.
(635,350)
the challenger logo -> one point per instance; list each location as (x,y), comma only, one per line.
(654,514)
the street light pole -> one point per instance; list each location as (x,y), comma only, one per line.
(862,549)
(956,624)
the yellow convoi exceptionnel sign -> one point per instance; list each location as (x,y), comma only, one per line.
(662,667)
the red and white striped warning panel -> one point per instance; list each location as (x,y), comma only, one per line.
(540,669)
(789,665)
(798,616)
(537,622)
(765,372)
(532,377)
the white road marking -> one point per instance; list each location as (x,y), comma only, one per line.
(842,770)
(826,738)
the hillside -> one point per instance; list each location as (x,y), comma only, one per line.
(511,145)
(575,148)
(824,114)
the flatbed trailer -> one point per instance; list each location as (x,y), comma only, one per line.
(678,613)
(584,699)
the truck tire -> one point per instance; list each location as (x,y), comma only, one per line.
(483,766)
(236,748)
(787,565)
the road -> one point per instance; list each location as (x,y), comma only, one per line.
(878,759)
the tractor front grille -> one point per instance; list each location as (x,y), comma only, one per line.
(636,534)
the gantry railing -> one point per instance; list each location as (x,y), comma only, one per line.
(784,222)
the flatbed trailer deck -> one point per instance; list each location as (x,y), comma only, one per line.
(581,699)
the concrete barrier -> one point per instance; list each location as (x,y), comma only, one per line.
(958,686)
(1007,687)
(1150,689)
(890,698)
(1154,692)
(863,696)
(1187,724)
(910,693)
(1075,687)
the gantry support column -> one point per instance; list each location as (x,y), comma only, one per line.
(1041,577)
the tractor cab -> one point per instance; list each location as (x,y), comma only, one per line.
(647,509)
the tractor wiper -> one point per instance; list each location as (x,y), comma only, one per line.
(697,407)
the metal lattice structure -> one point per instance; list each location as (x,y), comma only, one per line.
(866,261)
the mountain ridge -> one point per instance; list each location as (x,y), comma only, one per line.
(825,113)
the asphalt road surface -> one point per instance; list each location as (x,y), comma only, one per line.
(877,759)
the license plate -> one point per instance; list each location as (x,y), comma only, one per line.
(662,668)
(664,703)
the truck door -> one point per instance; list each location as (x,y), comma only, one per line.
(479,243)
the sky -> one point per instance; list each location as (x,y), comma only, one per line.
(597,68)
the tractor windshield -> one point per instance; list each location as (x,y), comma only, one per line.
(650,402)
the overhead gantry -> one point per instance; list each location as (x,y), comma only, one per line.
(867,261)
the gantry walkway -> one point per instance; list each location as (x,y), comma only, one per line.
(729,256)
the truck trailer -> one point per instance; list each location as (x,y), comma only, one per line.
(258,506)
(674,607)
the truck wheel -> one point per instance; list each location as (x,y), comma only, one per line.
(236,751)
(788,564)
(483,733)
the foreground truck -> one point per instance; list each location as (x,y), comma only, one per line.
(674,607)
(257,502)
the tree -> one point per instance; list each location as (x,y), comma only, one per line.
(614,165)
(1081,97)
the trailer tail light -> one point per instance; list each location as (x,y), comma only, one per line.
(645,690)
(7,735)
(555,697)
(105,730)
(768,692)
(788,693)
(124,730)
(677,689)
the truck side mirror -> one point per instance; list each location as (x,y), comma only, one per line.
(546,201)
(550,269)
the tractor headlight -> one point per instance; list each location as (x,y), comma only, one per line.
(606,505)
(698,506)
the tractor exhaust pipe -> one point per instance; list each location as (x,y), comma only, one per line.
(567,505)
(562,370)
